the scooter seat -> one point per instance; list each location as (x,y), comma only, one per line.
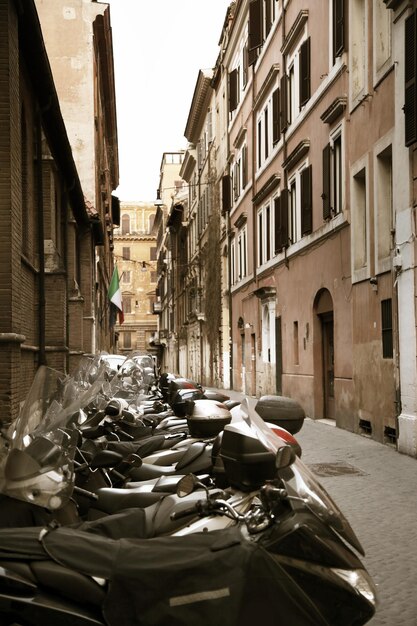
(68,582)
(112,500)
(191,454)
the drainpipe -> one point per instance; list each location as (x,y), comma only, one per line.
(41,236)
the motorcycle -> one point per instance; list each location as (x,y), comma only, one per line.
(278,547)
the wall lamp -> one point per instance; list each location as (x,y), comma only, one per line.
(158,202)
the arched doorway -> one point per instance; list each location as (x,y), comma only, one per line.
(324,354)
(241,353)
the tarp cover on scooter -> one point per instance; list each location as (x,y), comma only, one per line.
(206,578)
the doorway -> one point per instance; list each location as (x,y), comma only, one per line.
(328,365)
(253,363)
(324,356)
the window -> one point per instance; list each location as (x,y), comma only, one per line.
(268,128)
(295,85)
(265,233)
(240,173)
(386,328)
(383,209)
(266,334)
(226,193)
(338,28)
(358,47)
(127,305)
(381,39)
(300,204)
(281,220)
(295,344)
(332,194)
(127,340)
(232,263)
(125,224)
(239,76)
(238,256)
(126,276)
(234,92)
(410,71)
(153,253)
(293,209)
(242,254)
(359,222)
(126,253)
(262,15)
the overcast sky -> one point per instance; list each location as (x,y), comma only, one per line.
(159,47)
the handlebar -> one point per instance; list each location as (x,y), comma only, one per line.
(87,494)
(192,510)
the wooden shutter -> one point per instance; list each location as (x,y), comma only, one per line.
(306,201)
(284,103)
(244,166)
(338,27)
(233,89)
(226,193)
(410,68)
(326,182)
(276,131)
(281,220)
(255,24)
(304,75)
(245,66)
(268,17)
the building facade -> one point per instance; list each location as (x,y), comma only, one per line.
(47,234)
(318,241)
(135,257)
(78,40)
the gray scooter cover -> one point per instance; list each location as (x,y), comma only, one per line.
(206,578)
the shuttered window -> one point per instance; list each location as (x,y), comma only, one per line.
(233,89)
(268,16)
(304,75)
(326,182)
(338,28)
(226,193)
(255,24)
(244,166)
(410,65)
(284,103)
(386,327)
(281,220)
(245,66)
(276,131)
(306,201)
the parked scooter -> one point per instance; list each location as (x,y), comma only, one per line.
(285,553)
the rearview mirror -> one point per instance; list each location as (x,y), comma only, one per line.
(285,456)
(186,485)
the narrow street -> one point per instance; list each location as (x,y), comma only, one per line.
(375,488)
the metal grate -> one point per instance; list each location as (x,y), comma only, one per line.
(365,426)
(390,434)
(338,468)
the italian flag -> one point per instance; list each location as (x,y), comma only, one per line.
(115,297)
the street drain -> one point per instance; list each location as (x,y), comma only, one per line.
(335,469)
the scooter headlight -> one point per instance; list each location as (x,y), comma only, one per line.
(360,581)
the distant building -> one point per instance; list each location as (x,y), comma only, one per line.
(135,257)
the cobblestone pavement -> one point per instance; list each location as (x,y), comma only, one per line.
(376,488)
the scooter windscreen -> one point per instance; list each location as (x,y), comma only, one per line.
(38,467)
(301,483)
